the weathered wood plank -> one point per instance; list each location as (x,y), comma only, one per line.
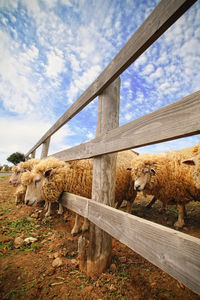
(45,148)
(162,17)
(174,252)
(179,119)
(103,183)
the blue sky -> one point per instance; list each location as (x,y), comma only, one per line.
(52,50)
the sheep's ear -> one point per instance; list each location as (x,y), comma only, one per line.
(48,173)
(153,171)
(129,169)
(189,162)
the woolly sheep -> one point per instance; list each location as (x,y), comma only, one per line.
(51,177)
(15,178)
(163,176)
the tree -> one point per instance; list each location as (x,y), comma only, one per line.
(16,157)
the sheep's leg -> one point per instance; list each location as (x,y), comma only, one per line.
(77,226)
(185,212)
(46,205)
(60,209)
(163,208)
(48,213)
(118,204)
(85,225)
(150,203)
(180,221)
(130,202)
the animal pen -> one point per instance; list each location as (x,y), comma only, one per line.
(174,252)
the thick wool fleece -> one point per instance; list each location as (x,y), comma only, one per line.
(196,171)
(173,181)
(20,194)
(28,165)
(76,177)
(21,168)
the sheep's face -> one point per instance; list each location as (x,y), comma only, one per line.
(34,190)
(194,161)
(15,178)
(47,186)
(142,177)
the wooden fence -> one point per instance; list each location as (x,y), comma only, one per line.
(174,252)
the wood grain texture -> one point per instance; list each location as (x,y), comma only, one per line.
(103,183)
(162,17)
(179,119)
(174,252)
(45,148)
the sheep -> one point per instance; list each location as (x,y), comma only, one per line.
(51,177)
(15,178)
(163,176)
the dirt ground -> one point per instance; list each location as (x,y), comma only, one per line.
(27,272)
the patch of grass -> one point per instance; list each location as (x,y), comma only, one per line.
(16,227)
(29,247)
(4,210)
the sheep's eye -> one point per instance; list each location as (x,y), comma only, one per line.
(146,171)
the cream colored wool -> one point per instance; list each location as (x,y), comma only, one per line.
(21,168)
(15,178)
(173,181)
(76,177)
(195,157)
(20,194)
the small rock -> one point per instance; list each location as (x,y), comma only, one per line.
(113,267)
(57,262)
(18,242)
(112,288)
(57,254)
(35,215)
(122,259)
(74,261)
(153,284)
(30,240)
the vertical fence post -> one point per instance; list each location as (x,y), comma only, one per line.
(103,186)
(45,148)
(33,154)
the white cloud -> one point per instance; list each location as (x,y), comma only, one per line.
(148,69)
(22,134)
(56,64)
(156,75)
(81,82)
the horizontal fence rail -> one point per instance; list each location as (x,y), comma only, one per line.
(162,17)
(176,253)
(179,119)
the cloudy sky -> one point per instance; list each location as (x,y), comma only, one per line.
(52,50)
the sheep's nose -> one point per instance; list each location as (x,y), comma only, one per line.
(27,202)
(137,188)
